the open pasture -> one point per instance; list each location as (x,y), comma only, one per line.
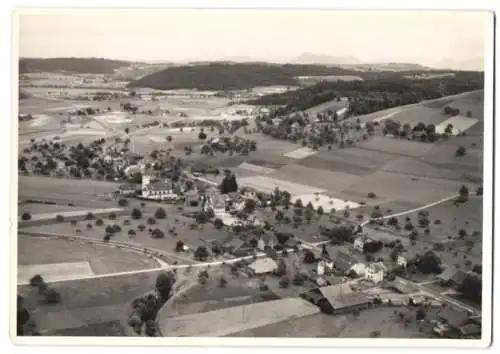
(191,237)
(354,160)
(56,259)
(88,302)
(269,184)
(36,208)
(320,178)
(444,156)
(468,101)
(76,191)
(394,146)
(392,186)
(468,216)
(416,167)
(322,325)
(54,271)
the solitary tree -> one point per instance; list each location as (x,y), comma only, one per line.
(160,213)
(136,214)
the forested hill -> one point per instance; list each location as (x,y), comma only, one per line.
(233,76)
(373,94)
(75,65)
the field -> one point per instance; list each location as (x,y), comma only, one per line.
(191,237)
(88,303)
(468,215)
(210,296)
(64,191)
(321,325)
(395,146)
(268,184)
(230,320)
(37,251)
(391,186)
(35,208)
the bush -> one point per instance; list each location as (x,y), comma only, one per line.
(36,280)
(157,233)
(73,222)
(51,296)
(26,216)
(201,253)
(160,213)
(372,195)
(123,202)
(89,216)
(284,282)
(179,246)
(131,232)
(218,223)
(89,226)
(126,222)
(107,237)
(461,151)
(141,227)
(112,216)
(151,221)
(59,218)
(99,222)
(392,221)
(163,285)
(136,214)
(222,282)
(409,226)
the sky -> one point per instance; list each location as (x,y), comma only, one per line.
(426,38)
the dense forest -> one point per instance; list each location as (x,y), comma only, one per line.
(373,94)
(75,65)
(232,76)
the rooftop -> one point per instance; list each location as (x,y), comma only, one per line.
(454,318)
(263,265)
(335,290)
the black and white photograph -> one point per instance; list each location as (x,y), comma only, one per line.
(252,174)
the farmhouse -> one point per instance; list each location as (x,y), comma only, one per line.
(336,299)
(159,191)
(452,277)
(266,241)
(233,245)
(401,261)
(127,189)
(323,267)
(376,272)
(360,242)
(360,269)
(343,262)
